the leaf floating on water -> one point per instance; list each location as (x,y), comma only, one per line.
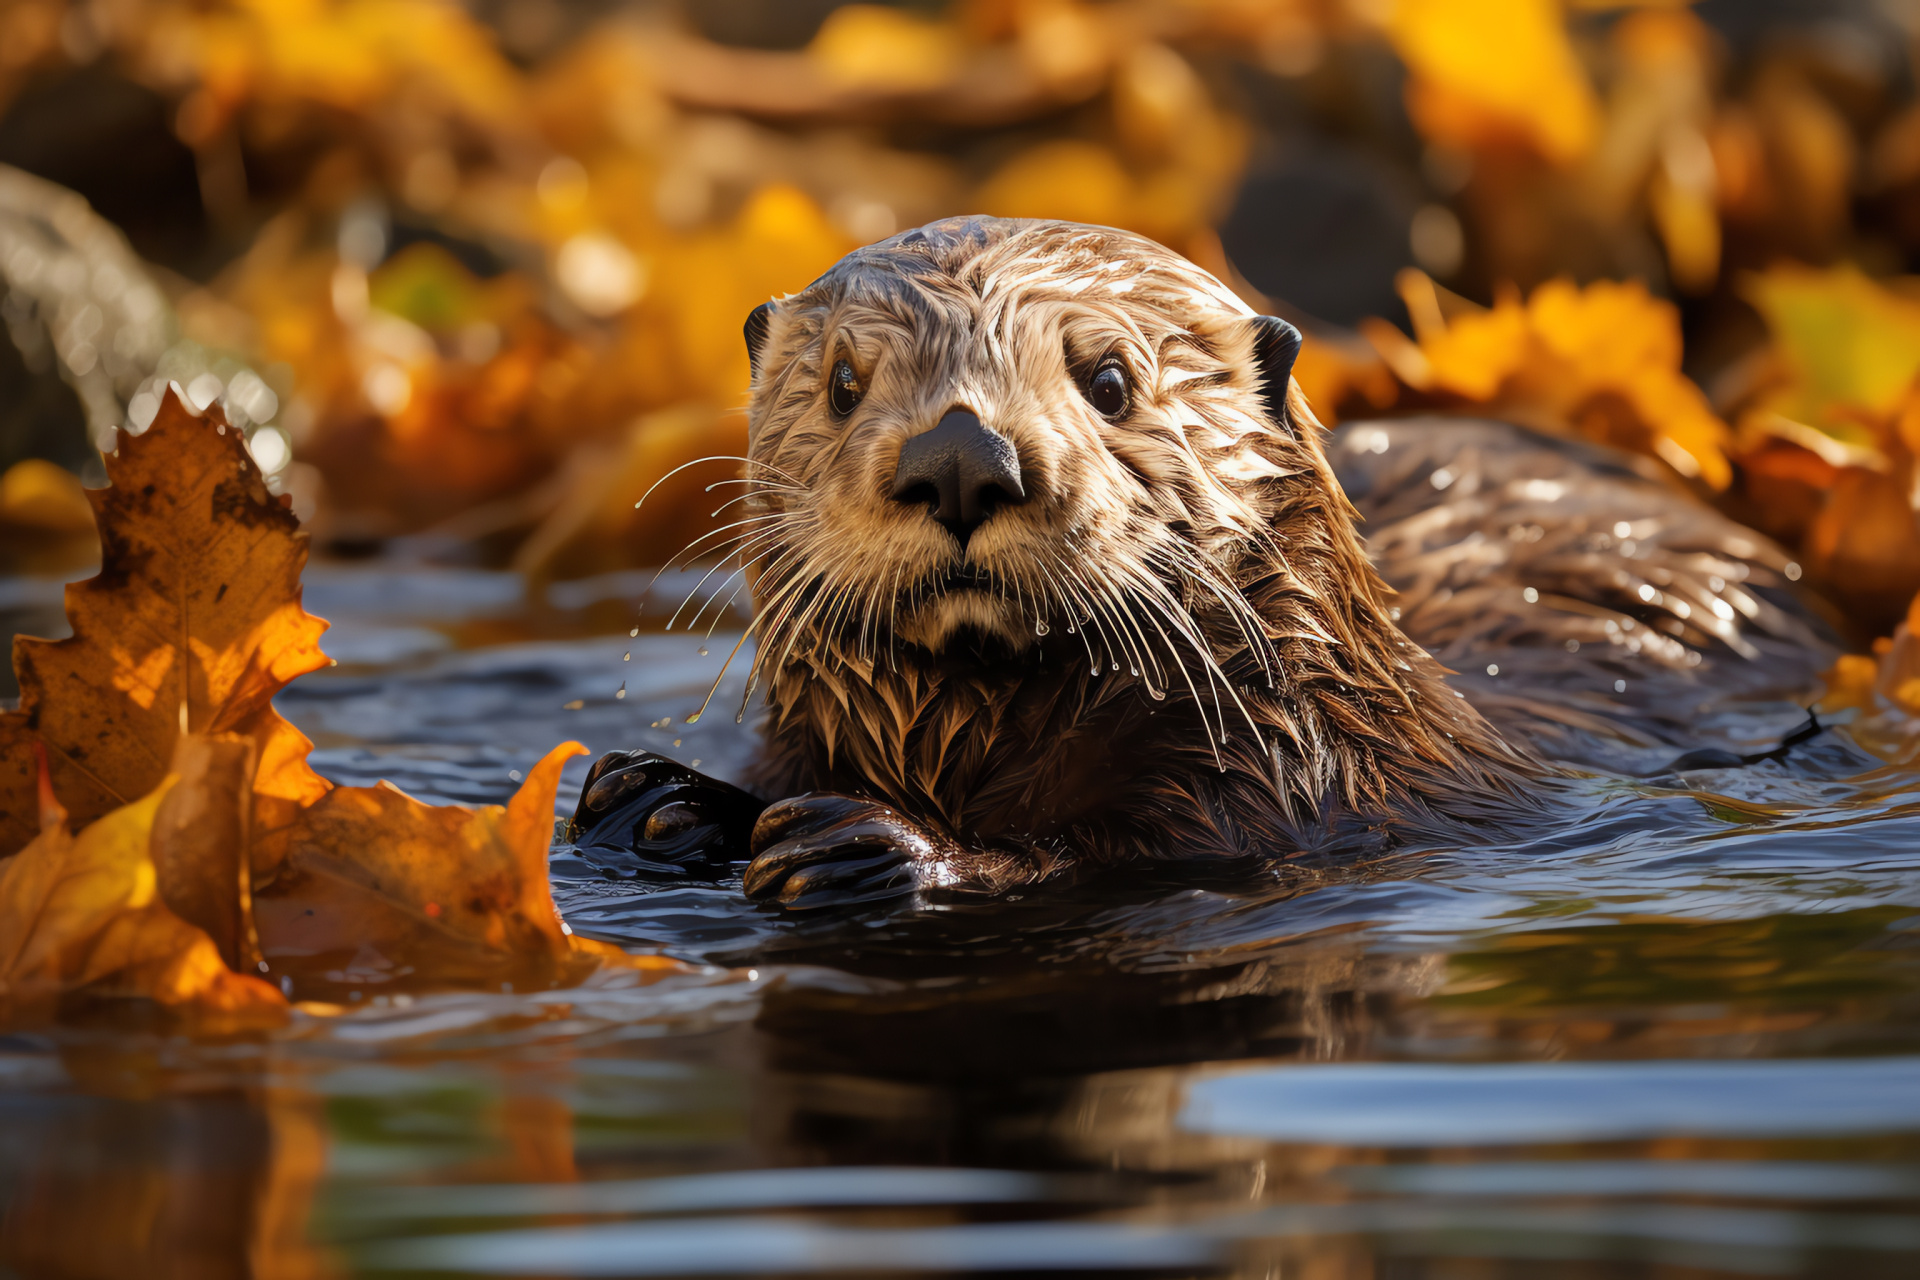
(86,911)
(379,886)
(193,624)
(233,857)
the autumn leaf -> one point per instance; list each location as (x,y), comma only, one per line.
(1488,71)
(87,911)
(234,858)
(378,886)
(1845,397)
(1600,361)
(192,625)
(1850,347)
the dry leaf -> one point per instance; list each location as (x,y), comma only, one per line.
(86,911)
(378,886)
(195,620)
(201,844)
(1491,71)
(191,626)
(1601,361)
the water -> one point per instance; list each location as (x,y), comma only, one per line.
(1680,1035)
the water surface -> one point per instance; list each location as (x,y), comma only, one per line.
(1678,1034)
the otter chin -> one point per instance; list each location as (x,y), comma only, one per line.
(1051,573)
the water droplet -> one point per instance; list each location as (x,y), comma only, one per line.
(1116,665)
(1132,670)
(1041,628)
(676,742)
(627,656)
(621,692)
(634,632)
(1071,628)
(703,651)
(665,721)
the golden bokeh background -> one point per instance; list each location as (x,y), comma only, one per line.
(474,274)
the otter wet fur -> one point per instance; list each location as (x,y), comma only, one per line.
(1051,573)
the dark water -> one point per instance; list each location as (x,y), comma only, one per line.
(1679,1036)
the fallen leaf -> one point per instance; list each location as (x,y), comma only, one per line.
(1600,360)
(237,858)
(376,888)
(1488,71)
(1850,346)
(192,624)
(201,842)
(86,911)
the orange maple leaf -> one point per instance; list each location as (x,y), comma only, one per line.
(192,625)
(208,850)
(93,911)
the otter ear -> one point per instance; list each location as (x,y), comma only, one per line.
(1275,345)
(756,330)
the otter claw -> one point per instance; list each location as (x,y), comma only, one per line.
(823,850)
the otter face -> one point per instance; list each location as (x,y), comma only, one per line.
(991,430)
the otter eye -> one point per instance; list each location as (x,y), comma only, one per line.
(844,389)
(1107,393)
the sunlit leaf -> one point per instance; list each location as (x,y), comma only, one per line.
(86,911)
(375,881)
(1488,71)
(1847,342)
(192,625)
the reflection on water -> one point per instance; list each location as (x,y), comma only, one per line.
(1681,1036)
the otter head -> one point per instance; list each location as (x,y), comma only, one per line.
(985,431)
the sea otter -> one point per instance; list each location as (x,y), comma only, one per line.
(1051,572)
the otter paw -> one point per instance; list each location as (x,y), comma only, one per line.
(824,850)
(641,814)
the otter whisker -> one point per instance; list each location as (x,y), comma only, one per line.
(674,560)
(769,538)
(721,612)
(1239,609)
(752,672)
(1185,622)
(744,521)
(768,484)
(749,537)
(718,457)
(1199,704)
(743,497)
(1067,605)
(1122,617)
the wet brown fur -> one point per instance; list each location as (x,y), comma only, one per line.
(1264,696)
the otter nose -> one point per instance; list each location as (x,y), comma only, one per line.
(961,470)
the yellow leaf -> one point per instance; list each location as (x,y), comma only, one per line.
(85,912)
(1846,341)
(378,886)
(1487,70)
(192,624)
(1068,179)
(37,493)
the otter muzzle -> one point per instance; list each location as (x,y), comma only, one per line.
(961,471)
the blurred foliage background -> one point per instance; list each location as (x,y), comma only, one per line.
(472,274)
